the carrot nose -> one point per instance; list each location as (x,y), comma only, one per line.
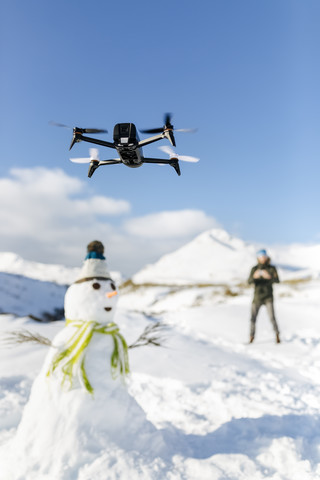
(111,294)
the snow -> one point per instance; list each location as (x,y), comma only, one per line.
(216,407)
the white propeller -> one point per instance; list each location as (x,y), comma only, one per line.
(186,130)
(94,155)
(186,158)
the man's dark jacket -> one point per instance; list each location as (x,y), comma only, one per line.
(262,287)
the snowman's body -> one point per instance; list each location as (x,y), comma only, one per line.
(61,420)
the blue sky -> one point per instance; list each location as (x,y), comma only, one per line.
(245,73)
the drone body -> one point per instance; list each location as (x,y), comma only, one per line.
(128,145)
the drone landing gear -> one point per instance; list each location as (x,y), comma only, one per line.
(93,167)
(176,166)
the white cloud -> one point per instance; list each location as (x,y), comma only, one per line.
(43,198)
(48,216)
(170,224)
(100,205)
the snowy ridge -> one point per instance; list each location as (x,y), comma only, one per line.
(35,289)
(215,257)
(303,256)
(13,263)
(25,296)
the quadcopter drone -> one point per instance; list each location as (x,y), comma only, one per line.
(129,147)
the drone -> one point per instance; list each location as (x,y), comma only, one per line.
(129,146)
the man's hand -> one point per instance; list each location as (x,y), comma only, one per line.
(265,274)
(261,273)
(257,274)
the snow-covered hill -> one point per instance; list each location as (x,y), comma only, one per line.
(215,257)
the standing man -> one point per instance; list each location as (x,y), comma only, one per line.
(262,276)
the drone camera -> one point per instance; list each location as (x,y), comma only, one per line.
(124,129)
(125,133)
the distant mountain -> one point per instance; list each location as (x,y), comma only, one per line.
(216,257)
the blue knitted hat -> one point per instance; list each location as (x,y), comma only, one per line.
(95,250)
(262,253)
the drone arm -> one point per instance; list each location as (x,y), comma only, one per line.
(162,161)
(78,138)
(173,162)
(149,140)
(98,142)
(94,164)
(114,161)
(165,134)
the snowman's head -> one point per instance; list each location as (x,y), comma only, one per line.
(93,299)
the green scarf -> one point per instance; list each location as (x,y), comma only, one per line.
(71,359)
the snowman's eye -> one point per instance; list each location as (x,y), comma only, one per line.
(96,285)
(112,285)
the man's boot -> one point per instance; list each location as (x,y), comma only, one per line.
(251,339)
(278,338)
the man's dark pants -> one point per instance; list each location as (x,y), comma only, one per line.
(254,313)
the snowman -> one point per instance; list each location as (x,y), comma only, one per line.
(90,305)
(79,406)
